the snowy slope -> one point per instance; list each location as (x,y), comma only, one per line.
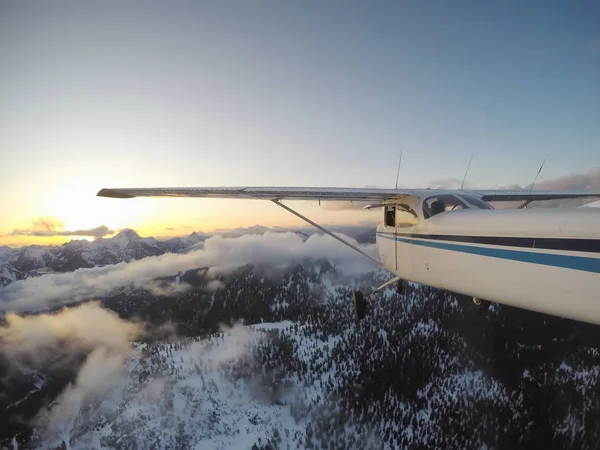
(125,246)
(189,387)
(423,370)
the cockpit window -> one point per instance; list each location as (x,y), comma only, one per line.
(406,217)
(441,203)
(390,216)
(401,216)
(474,201)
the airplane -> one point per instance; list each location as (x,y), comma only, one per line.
(539,259)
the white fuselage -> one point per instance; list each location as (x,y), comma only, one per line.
(545,260)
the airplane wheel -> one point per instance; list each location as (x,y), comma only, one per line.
(481,303)
(360,305)
(400,286)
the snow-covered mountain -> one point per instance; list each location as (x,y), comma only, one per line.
(276,359)
(127,245)
(181,244)
(8,273)
(36,260)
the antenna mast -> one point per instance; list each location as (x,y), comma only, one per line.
(467,171)
(398,172)
(524,203)
(536,176)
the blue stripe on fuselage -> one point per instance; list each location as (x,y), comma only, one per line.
(548,259)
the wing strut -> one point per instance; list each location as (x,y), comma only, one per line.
(316,225)
(384,285)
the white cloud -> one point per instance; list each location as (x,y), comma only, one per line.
(214,285)
(102,372)
(268,249)
(51,226)
(85,327)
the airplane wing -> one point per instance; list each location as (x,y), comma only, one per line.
(336,193)
(265,193)
(511,195)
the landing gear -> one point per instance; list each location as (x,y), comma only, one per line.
(481,303)
(400,286)
(360,305)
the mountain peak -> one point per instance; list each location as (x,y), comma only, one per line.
(128,233)
(125,237)
(198,236)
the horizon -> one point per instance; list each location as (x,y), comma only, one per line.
(58,241)
(310,94)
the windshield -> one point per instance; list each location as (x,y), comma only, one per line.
(475,201)
(441,203)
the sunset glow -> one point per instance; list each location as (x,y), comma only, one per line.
(208,95)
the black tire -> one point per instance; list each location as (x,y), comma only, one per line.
(481,304)
(360,305)
(400,286)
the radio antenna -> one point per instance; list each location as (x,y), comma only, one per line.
(466,172)
(536,176)
(398,172)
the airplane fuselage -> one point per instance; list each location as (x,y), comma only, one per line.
(545,260)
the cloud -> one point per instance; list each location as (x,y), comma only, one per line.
(85,327)
(214,285)
(166,289)
(102,372)
(51,226)
(103,384)
(268,249)
(240,337)
(57,339)
(579,181)
(589,180)
(448,183)
(47,224)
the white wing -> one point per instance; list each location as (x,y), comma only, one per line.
(265,193)
(499,196)
(334,193)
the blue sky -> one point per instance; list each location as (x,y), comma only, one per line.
(99,94)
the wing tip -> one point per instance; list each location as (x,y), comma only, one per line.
(112,193)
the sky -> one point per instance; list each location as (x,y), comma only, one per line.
(312,93)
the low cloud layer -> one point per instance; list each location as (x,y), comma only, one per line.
(587,180)
(268,249)
(102,373)
(578,181)
(448,183)
(51,226)
(106,343)
(85,327)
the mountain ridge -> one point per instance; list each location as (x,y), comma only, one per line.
(127,245)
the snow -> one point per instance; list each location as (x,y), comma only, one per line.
(35,252)
(185,392)
(273,325)
(121,241)
(196,391)
(566,367)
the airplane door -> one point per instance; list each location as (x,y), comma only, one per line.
(406,220)
(396,245)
